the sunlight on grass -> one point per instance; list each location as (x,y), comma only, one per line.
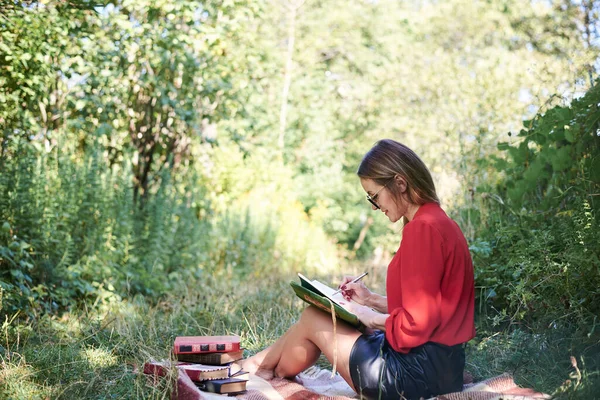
(67,327)
(16,382)
(103,351)
(99,358)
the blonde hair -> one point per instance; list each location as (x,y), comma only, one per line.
(387,159)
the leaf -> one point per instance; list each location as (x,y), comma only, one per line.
(5,49)
(519,154)
(503,146)
(539,138)
(517,192)
(569,136)
(535,172)
(563,115)
(562,159)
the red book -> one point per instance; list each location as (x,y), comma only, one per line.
(206,344)
(199,372)
(160,368)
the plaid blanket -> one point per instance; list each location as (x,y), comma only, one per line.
(316,384)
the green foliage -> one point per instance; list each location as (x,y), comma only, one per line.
(158,73)
(33,43)
(113,179)
(556,162)
(538,254)
(83,238)
(140,151)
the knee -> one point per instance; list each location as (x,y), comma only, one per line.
(314,319)
(310,315)
(279,372)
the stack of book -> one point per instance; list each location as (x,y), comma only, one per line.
(209,361)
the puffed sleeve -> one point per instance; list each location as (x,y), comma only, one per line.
(417,315)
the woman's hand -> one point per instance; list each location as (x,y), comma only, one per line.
(355,291)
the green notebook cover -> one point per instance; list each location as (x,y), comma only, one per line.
(311,295)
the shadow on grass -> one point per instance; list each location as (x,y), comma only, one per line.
(61,360)
(98,354)
(542,361)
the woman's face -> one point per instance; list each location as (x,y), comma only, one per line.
(394,209)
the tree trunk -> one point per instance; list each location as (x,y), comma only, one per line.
(362,234)
(293,7)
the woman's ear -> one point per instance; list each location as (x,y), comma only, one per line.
(401,183)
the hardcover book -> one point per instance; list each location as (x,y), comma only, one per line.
(161,368)
(234,368)
(223,386)
(196,372)
(200,372)
(243,375)
(212,358)
(205,344)
(318,294)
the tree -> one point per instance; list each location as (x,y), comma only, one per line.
(157,75)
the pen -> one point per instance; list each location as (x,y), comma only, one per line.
(358,278)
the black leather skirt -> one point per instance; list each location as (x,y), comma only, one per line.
(381,373)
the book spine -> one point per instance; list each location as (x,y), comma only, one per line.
(208,386)
(194,375)
(200,347)
(211,359)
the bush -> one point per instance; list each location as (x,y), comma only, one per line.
(72,231)
(537,253)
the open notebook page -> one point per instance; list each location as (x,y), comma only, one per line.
(329,293)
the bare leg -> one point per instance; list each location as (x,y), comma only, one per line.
(301,345)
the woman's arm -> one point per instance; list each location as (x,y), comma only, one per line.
(369,317)
(377,302)
(378,321)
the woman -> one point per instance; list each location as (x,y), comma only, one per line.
(413,346)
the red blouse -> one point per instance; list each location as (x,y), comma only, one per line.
(430,288)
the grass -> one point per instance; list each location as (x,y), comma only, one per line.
(539,361)
(97,354)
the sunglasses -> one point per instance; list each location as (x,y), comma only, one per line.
(373,199)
